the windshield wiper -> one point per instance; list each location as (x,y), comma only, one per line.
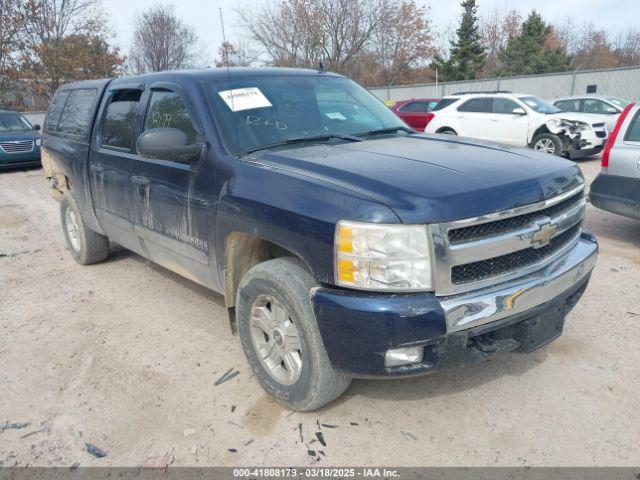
(382,131)
(310,138)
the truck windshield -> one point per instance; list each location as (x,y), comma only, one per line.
(12,122)
(539,105)
(256,112)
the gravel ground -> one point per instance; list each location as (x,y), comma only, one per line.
(124,355)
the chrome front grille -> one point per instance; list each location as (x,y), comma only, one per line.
(17,146)
(475,253)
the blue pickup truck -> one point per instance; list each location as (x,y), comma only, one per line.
(346,244)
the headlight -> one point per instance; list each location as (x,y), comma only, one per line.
(371,256)
(38,141)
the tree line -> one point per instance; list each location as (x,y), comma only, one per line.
(44,43)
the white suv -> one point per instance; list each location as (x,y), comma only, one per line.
(519,119)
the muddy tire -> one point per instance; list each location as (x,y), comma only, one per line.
(547,143)
(280,337)
(85,245)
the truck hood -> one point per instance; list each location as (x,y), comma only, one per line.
(426,179)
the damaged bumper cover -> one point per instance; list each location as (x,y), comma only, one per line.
(359,327)
(582,139)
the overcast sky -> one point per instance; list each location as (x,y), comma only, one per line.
(612,15)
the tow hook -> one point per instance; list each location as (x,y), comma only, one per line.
(488,344)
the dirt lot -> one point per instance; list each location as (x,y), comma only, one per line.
(124,355)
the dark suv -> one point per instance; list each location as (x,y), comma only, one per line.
(345,244)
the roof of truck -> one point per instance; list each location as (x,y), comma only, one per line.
(201,75)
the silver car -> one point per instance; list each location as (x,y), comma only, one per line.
(606,108)
(617,187)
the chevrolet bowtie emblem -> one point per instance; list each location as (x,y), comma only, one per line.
(544,235)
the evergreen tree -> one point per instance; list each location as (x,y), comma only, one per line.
(467,56)
(535,50)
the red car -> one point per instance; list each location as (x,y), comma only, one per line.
(415,112)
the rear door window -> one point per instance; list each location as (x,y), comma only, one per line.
(76,116)
(118,125)
(168,110)
(477,105)
(568,105)
(633,132)
(415,107)
(55,110)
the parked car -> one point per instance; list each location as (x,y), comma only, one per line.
(415,112)
(19,141)
(607,109)
(519,119)
(346,245)
(617,186)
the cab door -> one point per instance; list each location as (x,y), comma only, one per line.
(110,164)
(171,207)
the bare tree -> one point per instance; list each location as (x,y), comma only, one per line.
(497,27)
(303,33)
(627,47)
(239,55)
(402,43)
(45,53)
(11,25)
(161,41)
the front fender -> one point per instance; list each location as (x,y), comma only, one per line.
(295,212)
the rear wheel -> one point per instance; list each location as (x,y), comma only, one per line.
(447,131)
(547,143)
(85,245)
(280,336)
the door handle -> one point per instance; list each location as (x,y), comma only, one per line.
(97,168)
(140,180)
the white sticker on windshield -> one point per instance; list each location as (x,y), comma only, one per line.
(336,116)
(244,99)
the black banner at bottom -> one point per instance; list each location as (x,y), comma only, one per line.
(329,473)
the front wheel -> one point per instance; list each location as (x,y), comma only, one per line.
(280,337)
(547,143)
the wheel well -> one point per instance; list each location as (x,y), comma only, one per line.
(242,252)
(445,129)
(541,129)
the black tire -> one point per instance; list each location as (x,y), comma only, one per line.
(288,282)
(89,246)
(548,139)
(447,131)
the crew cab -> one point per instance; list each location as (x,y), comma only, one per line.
(519,119)
(346,245)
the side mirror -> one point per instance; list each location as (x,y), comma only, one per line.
(36,127)
(611,110)
(519,111)
(169,144)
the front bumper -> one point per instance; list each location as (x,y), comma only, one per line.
(359,327)
(616,194)
(19,160)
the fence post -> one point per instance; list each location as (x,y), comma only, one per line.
(573,80)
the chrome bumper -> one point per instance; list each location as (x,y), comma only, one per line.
(488,305)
